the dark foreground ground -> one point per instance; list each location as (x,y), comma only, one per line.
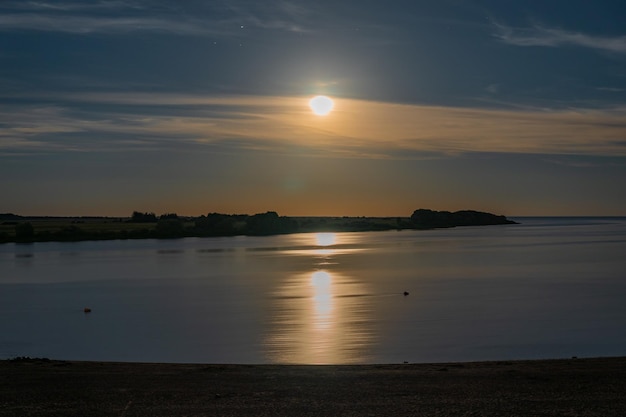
(576,387)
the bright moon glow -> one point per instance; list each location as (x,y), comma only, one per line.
(321,105)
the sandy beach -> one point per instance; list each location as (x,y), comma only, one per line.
(572,387)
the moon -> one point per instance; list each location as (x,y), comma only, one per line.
(321,105)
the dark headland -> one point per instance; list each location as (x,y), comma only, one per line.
(571,387)
(15,228)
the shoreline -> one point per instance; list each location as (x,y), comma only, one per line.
(19,229)
(549,387)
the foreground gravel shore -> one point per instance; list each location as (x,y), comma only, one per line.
(573,387)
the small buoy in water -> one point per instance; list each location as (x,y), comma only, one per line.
(406,293)
(86,310)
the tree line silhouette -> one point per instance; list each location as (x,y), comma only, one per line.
(170,225)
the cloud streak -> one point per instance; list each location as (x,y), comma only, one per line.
(554,37)
(119,17)
(356,129)
(86,24)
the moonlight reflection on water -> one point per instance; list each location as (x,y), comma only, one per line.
(320,317)
(545,288)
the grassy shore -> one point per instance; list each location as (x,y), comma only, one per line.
(573,387)
(46,229)
(14,228)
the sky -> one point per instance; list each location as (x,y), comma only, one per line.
(511,107)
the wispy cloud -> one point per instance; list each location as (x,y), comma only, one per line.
(555,37)
(356,129)
(611,89)
(578,163)
(272,15)
(69,5)
(120,17)
(87,24)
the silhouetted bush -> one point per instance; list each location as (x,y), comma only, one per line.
(270,223)
(169,228)
(24,231)
(138,217)
(426,219)
(216,224)
(139,234)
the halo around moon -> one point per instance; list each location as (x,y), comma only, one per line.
(321,105)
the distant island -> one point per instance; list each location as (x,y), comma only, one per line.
(140,225)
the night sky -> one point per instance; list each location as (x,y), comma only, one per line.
(512,107)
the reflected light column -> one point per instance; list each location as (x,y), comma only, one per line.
(321,316)
(321,282)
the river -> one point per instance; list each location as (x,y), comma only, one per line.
(546,288)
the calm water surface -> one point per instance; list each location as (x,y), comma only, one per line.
(548,288)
